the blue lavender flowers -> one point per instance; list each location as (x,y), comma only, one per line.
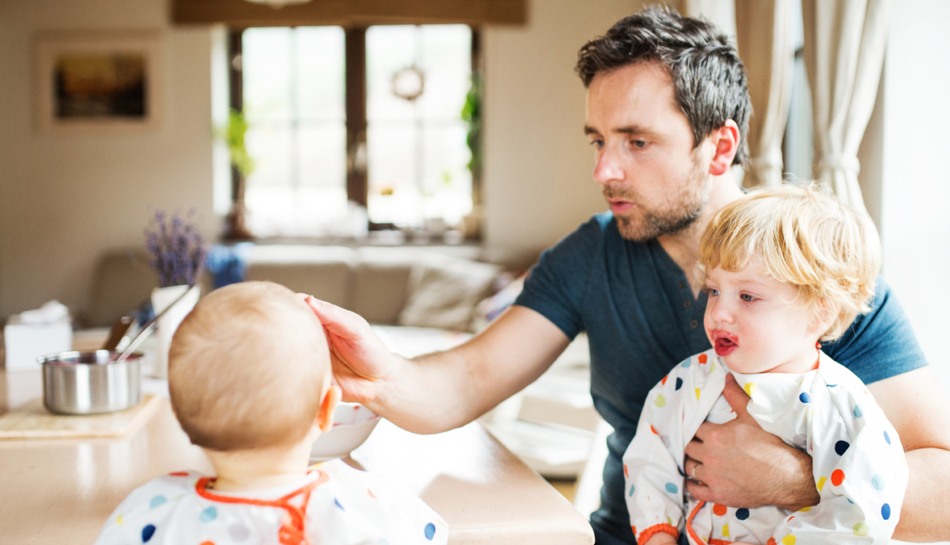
(176,251)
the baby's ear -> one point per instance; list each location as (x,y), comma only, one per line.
(327,405)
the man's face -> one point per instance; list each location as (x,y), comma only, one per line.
(653,179)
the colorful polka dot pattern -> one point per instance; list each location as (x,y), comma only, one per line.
(148,532)
(838,450)
(208,515)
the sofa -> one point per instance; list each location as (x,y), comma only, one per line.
(410,286)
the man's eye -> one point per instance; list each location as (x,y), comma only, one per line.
(597,143)
(638,143)
(747,298)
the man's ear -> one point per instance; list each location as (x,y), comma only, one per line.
(726,140)
(327,405)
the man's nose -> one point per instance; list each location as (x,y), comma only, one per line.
(606,170)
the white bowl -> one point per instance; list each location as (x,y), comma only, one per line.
(352,424)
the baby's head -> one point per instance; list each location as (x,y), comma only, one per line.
(248,368)
(785,267)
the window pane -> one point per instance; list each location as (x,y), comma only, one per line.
(392,157)
(269,146)
(322,155)
(447,61)
(321,73)
(447,180)
(417,154)
(267,73)
(389,49)
(294,98)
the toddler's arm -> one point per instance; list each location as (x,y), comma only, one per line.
(859,470)
(653,481)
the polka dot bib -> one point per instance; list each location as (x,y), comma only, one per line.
(858,463)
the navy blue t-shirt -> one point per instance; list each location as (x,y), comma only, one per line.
(639,313)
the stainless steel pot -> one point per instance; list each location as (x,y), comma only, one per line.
(90,382)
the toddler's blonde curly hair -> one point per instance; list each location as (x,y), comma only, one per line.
(805,237)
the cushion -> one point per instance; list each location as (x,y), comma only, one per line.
(443,292)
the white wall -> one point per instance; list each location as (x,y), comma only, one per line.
(915,189)
(538,164)
(64,199)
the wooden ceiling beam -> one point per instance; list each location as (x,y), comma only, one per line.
(350,13)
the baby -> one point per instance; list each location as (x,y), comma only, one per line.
(786,269)
(250,383)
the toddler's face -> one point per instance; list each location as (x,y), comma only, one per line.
(755,324)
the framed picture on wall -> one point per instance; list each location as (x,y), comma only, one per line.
(98,81)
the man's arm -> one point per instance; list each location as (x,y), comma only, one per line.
(444,390)
(741,465)
(918,409)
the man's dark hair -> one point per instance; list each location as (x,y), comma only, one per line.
(709,80)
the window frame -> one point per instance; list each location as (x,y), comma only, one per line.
(357,178)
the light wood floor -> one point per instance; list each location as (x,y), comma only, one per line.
(567,487)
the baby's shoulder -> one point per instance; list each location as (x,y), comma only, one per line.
(148,512)
(355,501)
(837,384)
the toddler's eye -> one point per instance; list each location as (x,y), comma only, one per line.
(747,298)
(713,292)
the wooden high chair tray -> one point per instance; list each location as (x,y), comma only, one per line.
(32,421)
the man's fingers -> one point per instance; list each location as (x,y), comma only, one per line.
(335,320)
(735,396)
(702,434)
(699,491)
(691,467)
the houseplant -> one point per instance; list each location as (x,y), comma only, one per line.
(232,134)
(176,252)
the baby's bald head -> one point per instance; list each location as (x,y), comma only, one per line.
(248,368)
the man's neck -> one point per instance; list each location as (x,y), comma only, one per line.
(683,246)
(259,469)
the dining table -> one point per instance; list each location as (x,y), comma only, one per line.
(56,491)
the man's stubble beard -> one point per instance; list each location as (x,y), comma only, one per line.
(680,210)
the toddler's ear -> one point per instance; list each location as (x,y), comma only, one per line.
(327,405)
(826,312)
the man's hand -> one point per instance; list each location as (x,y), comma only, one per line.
(361,362)
(740,465)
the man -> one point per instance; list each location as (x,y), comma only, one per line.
(667,106)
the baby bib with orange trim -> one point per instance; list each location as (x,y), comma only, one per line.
(857,459)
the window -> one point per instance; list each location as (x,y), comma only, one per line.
(412,171)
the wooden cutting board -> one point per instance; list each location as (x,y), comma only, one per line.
(32,421)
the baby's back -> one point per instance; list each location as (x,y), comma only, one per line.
(333,504)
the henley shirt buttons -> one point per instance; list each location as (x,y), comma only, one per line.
(682,285)
(694,324)
(687,304)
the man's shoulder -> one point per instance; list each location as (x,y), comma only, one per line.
(879,344)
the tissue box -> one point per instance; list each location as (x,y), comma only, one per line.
(26,342)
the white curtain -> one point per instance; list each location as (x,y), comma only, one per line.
(719,12)
(844,54)
(764,36)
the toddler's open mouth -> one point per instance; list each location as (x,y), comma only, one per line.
(725,342)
